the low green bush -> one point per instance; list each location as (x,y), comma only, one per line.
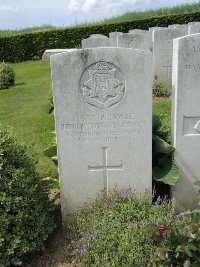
(26,46)
(26,214)
(7,76)
(160,90)
(121,229)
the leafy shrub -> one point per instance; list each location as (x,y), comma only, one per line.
(159,90)
(26,217)
(164,169)
(120,230)
(7,76)
(23,47)
(181,246)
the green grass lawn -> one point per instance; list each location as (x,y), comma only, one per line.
(25,107)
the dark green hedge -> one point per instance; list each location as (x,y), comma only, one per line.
(24,47)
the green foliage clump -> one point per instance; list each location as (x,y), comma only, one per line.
(182,244)
(164,167)
(26,214)
(120,229)
(7,76)
(160,90)
(26,46)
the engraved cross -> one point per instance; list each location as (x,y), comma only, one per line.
(168,67)
(105,168)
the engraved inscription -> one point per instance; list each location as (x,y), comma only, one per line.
(134,43)
(196,48)
(192,66)
(191,125)
(102,89)
(101,127)
(105,168)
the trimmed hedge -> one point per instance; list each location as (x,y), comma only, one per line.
(25,47)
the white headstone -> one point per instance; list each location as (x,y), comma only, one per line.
(103,122)
(98,35)
(114,37)
(162,54)
(193,23)
(186,118)
(151,29)
(172,26)
(138,31)
(134,40)
(97,42)
(50,52)
(194,29)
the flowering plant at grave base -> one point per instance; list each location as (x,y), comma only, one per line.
(121,229)
(164,166)
(182,244)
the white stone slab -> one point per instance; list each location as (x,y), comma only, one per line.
(186,118)
(98,35)
(194,29)
(138,31)
(134,40)
(50,52)
(193,23)
(162,54)
(97,42)
(103,114)
(114,37)
(151,29)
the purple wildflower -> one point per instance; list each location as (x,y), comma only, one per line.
(95,230)
(84,203)
(115,253)
(110,205)
(152,205)
(159,200)
(122,196)
(82,249)
(84,234)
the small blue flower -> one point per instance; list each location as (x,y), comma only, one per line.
(115,253)
(110,205)
(159,200)
(95,230)
(122,196)
(84,234)
(152,205)
(84,203)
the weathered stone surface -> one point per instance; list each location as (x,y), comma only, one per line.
(138,31)
(193,23)
(194,29)
(96,41)
(151,29)
(50,52)
(162,53)
(186,117)
(114,36)
(134,40)
(98,35)
(103,114)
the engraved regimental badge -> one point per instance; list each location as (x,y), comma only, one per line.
(102,89)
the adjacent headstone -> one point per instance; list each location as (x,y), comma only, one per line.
(114,37)
(103,122)
(162,54)
(138,31)
(194,29)
(193,23)
(98,35)
(183,27)
(134,40)
(50,52)
(172,26)
(186,118)
(151,29)
(97,42)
